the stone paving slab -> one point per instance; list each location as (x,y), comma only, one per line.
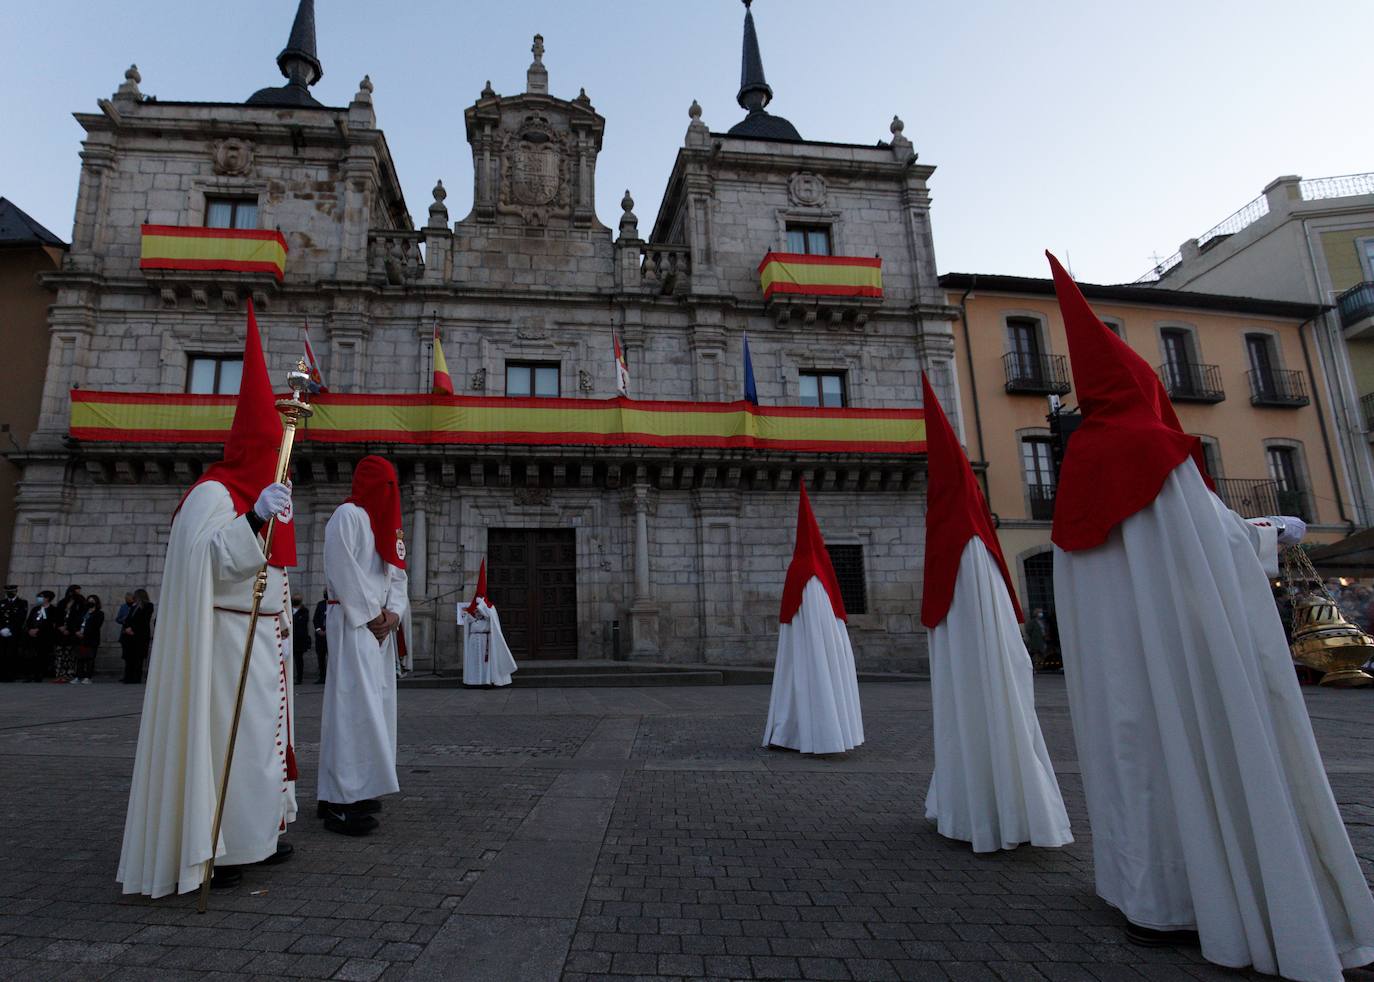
(586,834)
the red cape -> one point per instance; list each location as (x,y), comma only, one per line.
(809,559)
(481,593)
(1122,452)
(956,511)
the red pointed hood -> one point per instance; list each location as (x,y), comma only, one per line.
(809,559)
(377,491)
(250,453)
(481,593)
(1129,440)
(956,511)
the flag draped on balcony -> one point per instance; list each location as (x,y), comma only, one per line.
(751,392)
(232,250)
(443,382)
(795,274)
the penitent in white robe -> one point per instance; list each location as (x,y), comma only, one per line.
(193,676)
(487,659)
(993,784)
(814,705)
(358,720)
(1208,801)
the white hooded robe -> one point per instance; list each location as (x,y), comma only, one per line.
(1208,801)
(193,674)
(358,719)
(487,659)
(993,784)
(814,706)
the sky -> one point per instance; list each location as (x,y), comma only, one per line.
(1108,132)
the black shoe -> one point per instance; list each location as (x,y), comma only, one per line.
(368,806)
(284,852)
(226,877)
(1148,937)
(321,809)
(344,822)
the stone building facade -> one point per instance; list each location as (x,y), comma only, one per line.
(670,555)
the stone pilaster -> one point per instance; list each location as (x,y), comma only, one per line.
(644,612)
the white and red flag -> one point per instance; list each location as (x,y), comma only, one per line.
(622,370)
(311,364)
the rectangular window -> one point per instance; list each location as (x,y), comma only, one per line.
(532,379)
(231,212)
(1211,456)
(1259,348)
(808,240)
(214,374)
(1023,333)
(1037,464)
(824,389)
(1283,469)
(849,573)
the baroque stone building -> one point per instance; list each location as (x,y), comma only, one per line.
(672,553)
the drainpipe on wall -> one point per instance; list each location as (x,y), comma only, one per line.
(973,385)
(1321,423)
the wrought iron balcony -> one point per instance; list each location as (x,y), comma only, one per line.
(1277,388)
(1041,501)
(1356,306)
(1192,382)
(1036,374)
(1255,498)
(1367,410)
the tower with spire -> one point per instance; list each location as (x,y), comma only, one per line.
(755,93)
(299,64)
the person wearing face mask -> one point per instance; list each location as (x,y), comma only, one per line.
(14,610)
(40,633)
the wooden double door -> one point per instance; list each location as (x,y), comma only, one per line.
(532,580)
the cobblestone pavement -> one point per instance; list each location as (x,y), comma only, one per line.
(581,834)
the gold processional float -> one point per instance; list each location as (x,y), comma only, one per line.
(1322,638)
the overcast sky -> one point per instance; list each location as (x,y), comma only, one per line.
(1108,132)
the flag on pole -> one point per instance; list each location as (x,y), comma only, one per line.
(751,392)
(622,370)
(316,376)
(443,382)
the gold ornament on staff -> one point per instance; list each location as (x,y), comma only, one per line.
(292,410)
(1322,638)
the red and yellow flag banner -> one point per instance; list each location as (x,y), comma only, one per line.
(236,250)
(138,417)
(795,274)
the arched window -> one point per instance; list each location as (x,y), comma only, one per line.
(1040,582)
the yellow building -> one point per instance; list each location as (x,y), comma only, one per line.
(1240,371)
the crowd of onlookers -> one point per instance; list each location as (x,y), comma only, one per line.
(51,640)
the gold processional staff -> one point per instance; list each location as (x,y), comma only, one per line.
(292,410)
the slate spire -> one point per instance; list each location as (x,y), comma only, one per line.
(298,61)
(754,92)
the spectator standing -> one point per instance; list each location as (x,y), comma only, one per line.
(67,617)
(88,639)
(123,613)
(136,636)
(321,639)
(300,634)
(14,610)
(40,633)
(1035,638)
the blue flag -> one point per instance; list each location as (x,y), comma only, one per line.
(751,392)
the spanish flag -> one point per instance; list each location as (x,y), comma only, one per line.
(443,382)
(235,250)
(820,276)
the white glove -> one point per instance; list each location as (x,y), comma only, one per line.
(4,632)
(273,500)
(1294,529)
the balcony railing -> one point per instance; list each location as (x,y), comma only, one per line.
(1036,374)
(395,257)
(1248,498)
(666,269)
(1255,498)
(1367,410)
(1277,388)
(1041,501)
(1356,304)
(1192,382)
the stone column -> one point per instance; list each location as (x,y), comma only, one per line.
(644,611)
(417,570)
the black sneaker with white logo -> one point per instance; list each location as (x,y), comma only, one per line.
(338,818)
